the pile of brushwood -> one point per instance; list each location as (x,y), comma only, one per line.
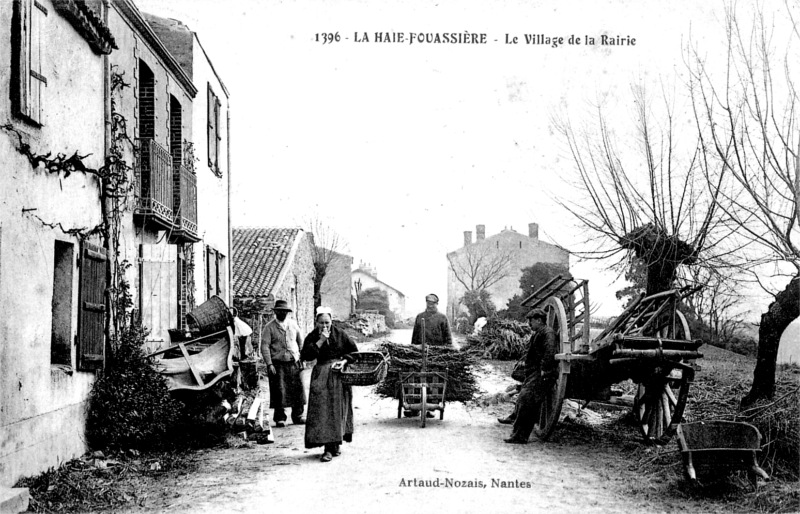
(462,384)
(500,339)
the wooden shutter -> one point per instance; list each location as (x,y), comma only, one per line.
(212,129)
(27,55)
(217,134)
(158,291)
(92,307)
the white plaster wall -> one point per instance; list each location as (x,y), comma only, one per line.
(212,191)
(41,406)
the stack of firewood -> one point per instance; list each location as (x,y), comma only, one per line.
(462,384)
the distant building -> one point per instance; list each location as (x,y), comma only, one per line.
(366,276)
(272,264)
(523,251)
(336,288)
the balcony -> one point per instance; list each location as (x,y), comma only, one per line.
(185,202)
(154,171)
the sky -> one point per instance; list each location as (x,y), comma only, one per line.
(402,147)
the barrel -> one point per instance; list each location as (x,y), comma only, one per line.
(209,317)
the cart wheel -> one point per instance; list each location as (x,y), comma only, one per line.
(423,413)
(550,409)
(659,405)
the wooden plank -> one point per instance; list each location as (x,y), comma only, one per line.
(195,374)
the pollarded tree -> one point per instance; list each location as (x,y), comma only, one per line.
(649,203)
(747,118)
(327,244)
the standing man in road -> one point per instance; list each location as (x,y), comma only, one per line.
(437,329)
(541,368)
(280,348)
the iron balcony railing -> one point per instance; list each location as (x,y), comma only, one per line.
(154,170)
(185,202)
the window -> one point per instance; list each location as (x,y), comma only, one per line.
(175,131)
(61,331)
(214,136)
(147,101)
(215,273)
(28,82)
(92,308)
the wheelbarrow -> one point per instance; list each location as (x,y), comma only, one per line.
(422,391)
(709,448)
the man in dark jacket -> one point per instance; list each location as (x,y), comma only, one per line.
(541,369)
(437,329)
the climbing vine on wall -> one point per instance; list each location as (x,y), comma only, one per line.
(115,180)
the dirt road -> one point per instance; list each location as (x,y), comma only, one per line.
(460,464)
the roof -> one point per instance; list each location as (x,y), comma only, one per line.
(88,24)
(376,279)
(131,13)
(260,256)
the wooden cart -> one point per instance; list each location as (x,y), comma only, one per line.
(422,391)
(649,343)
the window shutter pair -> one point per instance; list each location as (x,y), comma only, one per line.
(92,308)
(213,110)
(28,80)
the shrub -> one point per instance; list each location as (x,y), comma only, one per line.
(129,405)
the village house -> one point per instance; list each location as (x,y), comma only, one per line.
(517,250)
(205,271)
(366,277)
(47,270)
(272,264)
(93,79)
(337,287)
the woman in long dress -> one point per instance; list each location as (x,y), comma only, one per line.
(330,405)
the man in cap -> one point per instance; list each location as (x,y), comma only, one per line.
(280,348)
(437,329)
(541,371)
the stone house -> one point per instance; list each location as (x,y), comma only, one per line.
(209,159)
(44,380)
(272,264)
(337,287)
(366,277)
(53,278)
(519,250)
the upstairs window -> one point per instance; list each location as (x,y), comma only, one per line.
(147,101)
(214,135)
(28,82)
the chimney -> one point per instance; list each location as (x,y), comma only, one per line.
(467,237)
(480,233)
(533,230)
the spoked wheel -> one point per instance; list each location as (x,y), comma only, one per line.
(661,399)
(659,405)
(423,413)
(550,409)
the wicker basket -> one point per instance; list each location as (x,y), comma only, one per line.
(369,368)
(209,317)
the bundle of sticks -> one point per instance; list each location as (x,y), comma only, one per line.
(462,384)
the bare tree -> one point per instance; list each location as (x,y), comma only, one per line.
(747,118)
(715,304)
(327,245)
(649,203)
(479,267)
